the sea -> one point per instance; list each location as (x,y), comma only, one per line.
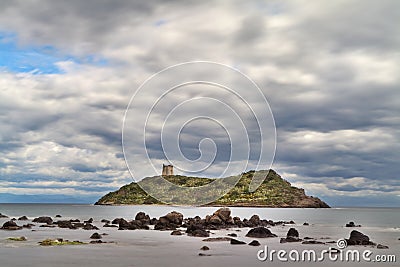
(148,248)
(373,217)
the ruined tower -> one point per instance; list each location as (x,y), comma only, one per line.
(167,169)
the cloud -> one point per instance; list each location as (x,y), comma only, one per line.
(330,71)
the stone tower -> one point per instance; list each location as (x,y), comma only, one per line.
(167,169)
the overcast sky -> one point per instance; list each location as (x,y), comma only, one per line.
(329,69)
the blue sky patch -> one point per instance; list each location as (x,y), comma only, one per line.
(36,59)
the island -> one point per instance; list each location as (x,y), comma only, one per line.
(274,192)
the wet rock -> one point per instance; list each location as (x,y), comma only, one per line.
(203,254)
(237,242)
(306,224)
(58,216)
(204,248)
(11,225)
(352,224)
(89,221)
(260,232)
(292,233)
(28,225)
(217,239)
(23,218)
(199,233)
(174,217)
(43,219)
(95,236)
(89,226)
(214,219)
(141,216)
(232,235)
(105,221)
(358,238)
(66,224)
(254,243)
(75,220)
(380,246)
(176,232)
(223,213)
(117,220)
(255,220)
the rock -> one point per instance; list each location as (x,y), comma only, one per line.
(164,226)
(123,224)
(21,238)
(260,232)
(3,216)
(202,254)
(66,224)
(204,248)
(379,246)
(308,238)
(11,225)
(254,243)
(58,216)
(199,233)
(89,221)
(214,219)
(223,213)
(174,217)
(351,224)
(43,219)
(95,236)
(232,235)
(255,220)
(237,242)
(23,218)
(117,220)
(47,225)
(217,239)
(358,238)
(292,232)
(28,226)
(176,232)
(89,226)
(306,224)
(75,220)
(96,242)
(141,216)
(312,242)
(105,221)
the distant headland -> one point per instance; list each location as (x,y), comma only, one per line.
(274,192)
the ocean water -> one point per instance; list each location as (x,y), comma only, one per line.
(372,217)
(147,248)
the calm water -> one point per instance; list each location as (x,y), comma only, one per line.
(372,217)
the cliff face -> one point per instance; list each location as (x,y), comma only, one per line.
(273,192)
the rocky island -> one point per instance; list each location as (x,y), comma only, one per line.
(274,192)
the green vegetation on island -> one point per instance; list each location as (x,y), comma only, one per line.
(273,192)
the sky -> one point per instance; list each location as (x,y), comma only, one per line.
(330,71)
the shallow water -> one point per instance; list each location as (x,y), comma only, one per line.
(155,248)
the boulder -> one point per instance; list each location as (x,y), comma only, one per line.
(66,224)
(141,216)
(254,243)
(255,220)
(23,218)
(95,236)
(174,217)
(292,233)
(204,248)
(358,238)
(117,220)
(214,219)
(237,242)
(105,221)
(58,216)
(223,214)
(260,232)
(176,232)
(11,225)
(89,226)
(306,224)
(43,219)
(199,233)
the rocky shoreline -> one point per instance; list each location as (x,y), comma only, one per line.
(175,222)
